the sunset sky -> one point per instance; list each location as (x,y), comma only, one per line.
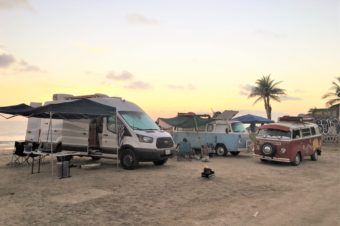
(170,56)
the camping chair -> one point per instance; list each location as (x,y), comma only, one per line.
(19,158)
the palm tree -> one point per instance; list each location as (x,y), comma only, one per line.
(267,89)
(334,94)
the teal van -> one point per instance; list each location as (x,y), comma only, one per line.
(225,136)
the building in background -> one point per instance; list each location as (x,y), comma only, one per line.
(328,120)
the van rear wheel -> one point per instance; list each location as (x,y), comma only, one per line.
(128,159)
(314,156)
(297,159)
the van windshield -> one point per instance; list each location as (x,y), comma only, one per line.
(275,133)
(138,120)
(238,127)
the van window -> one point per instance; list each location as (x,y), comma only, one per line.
(138,120)
(275,133)
(313,130)
(238,127)
(201,128)
(306,132)
(210,127)
(296,134)
(184,129)
(111,124)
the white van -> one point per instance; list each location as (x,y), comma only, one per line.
(142,139)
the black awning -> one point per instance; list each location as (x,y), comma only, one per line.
(20,109)
(75,109)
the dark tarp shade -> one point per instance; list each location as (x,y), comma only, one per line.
(77,109)
(20,109)
(186,121)
(252,119)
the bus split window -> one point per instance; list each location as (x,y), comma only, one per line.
(238,127)
(313,130)
(306,132)
(296,134)
(210,127)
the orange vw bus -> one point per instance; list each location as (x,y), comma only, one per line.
(289,140)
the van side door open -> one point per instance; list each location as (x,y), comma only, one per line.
(109,136)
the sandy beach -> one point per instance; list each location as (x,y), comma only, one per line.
(243,192)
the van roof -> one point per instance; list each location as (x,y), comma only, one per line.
(116,102)
(287,126)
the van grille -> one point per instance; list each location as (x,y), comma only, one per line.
(164,142)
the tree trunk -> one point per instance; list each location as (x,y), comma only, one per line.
(268,107)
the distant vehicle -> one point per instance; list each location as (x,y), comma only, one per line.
(143,141)
(289,140)
(224,135)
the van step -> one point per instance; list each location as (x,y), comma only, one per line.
(104,156)
(95,152)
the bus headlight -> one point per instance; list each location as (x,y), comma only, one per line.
(144,139)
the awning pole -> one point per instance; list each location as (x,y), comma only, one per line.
(51,142)
(199,137)
(118,140)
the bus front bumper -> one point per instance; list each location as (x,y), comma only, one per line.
(272,158)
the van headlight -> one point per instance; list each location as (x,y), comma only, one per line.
(144,139)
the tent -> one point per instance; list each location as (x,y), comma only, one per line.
(252,119)
(73,109)
(187,121)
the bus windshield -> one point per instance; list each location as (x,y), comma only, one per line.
(238,127)
(138,120)
(276,133)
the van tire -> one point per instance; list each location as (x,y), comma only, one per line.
(272,150)
(234,153)
(297,159)
(314,156)
(128,159)
(221,150)
(160,162)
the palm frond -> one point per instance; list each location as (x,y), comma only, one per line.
(328,95)
(257,100)
(267,88)
(333,101)
(276,98)
(335,91)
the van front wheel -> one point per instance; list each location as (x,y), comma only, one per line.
(160,162)
(128,160)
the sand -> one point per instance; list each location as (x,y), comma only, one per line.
(243,192)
